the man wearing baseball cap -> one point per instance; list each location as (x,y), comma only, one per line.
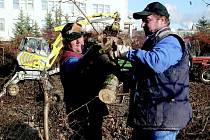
(154,7)
(159,106)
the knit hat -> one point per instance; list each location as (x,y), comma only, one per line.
(154,7)
(72,31)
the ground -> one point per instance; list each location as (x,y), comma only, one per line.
(21,116)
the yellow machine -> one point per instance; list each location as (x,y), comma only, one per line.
(37,55)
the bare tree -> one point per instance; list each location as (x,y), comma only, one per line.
(207,3)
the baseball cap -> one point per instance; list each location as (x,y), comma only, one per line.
(154,7)
(72,31)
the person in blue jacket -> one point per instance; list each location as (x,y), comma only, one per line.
(82,75)
(160,105)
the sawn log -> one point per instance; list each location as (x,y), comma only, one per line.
(108,93)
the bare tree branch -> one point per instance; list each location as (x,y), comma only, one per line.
(207,4)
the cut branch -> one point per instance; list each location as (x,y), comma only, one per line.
(44,82)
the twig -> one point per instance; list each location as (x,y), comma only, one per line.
(205,124)
(207,4)
(82,106)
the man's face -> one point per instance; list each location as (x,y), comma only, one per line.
(77,45)
(152,23)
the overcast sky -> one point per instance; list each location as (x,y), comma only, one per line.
(183,13)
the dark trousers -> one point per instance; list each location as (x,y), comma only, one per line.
(86,122)
(87,129)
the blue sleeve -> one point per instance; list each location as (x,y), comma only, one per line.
(71,64)
(165,53)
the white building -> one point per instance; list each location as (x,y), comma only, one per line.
(37,11)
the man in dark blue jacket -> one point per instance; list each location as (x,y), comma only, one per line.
(82,76)
(159,105)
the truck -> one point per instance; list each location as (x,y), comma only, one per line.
(199,53)
(200,68)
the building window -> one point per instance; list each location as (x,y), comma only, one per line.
(107,8)
(53,4)
(2,24)
(16,4)
(26,4)
(1,3)
(82,7)
(69,9)
(30,4)
(100,8)
(44,4)
(23,4)
(43,23)
(95,8)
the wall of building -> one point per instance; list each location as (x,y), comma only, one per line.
(38,14)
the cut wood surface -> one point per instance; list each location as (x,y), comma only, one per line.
(108,93)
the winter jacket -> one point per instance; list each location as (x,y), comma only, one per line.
(79,81)
(160,99)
